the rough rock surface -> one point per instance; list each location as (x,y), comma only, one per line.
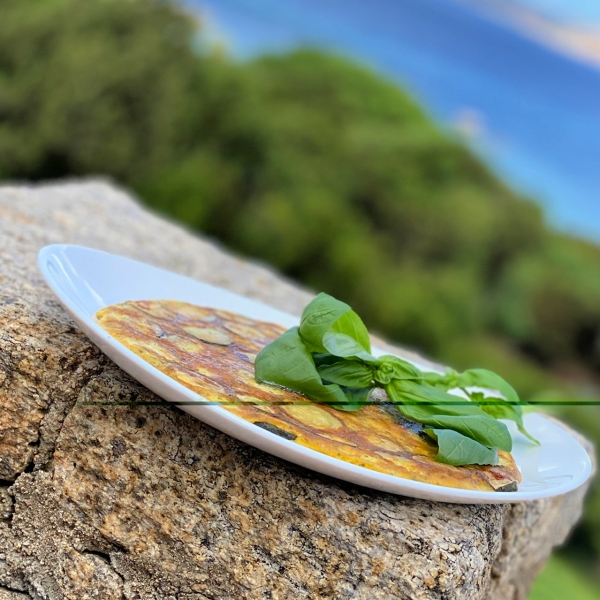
(145,502)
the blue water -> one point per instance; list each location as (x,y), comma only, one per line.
(540,110)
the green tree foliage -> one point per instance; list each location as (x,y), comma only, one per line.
(95,87)
(313,164)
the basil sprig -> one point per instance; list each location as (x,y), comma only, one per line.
(328,358)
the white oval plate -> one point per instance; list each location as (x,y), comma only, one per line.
(86,280)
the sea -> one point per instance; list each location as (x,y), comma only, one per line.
(530,111)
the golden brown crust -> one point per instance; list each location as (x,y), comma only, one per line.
(212,353)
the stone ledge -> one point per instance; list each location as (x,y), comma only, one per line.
(146,502)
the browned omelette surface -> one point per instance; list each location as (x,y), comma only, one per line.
(212,353)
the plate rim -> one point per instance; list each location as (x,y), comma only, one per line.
(239,428)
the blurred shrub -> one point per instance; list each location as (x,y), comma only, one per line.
(548,301)
(95,87)
(560,580)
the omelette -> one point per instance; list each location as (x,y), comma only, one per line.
(212,353)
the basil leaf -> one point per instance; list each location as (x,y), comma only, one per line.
(408,391)
(349,373)
(391,367)
(447,381)
(469,419)
(287,362)
(351,325)
(321,360)
(342,345)
(485,430)
(328,325)
(488,380)
(458,450)
(423,412)
(506,411)
(356,398)
(318,318)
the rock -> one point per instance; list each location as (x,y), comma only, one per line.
(146,502)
